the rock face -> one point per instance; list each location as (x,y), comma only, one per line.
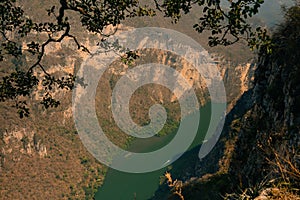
(27,141)
(46,145)
(272,128)
(260,144)
(260,139)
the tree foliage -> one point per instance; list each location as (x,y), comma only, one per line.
(226,23)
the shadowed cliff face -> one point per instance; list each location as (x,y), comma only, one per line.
(260,143)
(275,118)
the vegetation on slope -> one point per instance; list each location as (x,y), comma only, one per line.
(258,154)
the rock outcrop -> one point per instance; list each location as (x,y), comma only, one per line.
(259,148)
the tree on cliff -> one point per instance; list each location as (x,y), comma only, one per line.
(227,24)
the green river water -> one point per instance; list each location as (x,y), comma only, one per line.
(130,186)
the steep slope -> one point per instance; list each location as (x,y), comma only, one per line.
(276,115)
(258,155)
(42,157)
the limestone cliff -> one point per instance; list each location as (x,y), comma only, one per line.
(44,151)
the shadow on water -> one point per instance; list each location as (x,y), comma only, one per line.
(129,186)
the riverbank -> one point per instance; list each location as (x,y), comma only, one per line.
(126,186)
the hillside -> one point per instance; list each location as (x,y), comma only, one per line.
(257,156)
(42,156)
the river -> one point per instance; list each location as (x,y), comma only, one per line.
(130,186)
